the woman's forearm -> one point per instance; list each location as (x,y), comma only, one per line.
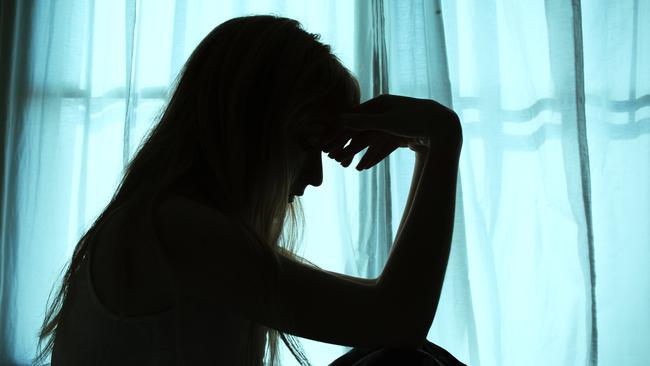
(415,269)
(420,156)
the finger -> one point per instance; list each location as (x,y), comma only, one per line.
(375,155)
(346,159)
(368,158)
(389,150)
(340,158)
(376,159)
(357,144)
(346,162)
(335,148)
(337,144)
(351,150)
(336,138)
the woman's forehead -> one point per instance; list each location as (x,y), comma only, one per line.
(321,118)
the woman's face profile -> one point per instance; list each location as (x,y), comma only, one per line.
(307,153)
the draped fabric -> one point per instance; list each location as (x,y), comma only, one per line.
(549,261)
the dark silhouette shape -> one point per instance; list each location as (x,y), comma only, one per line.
(189,261)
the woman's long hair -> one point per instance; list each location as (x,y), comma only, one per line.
(250,81)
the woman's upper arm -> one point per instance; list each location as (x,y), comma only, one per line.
(217,260)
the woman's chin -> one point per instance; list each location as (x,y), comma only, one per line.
(292,196)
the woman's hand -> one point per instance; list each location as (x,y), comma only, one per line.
(387,122)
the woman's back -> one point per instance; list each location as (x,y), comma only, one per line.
(121,309)
(128,275)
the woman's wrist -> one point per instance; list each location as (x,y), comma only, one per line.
(420,144)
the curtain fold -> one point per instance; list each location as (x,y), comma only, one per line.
(551,238)
(15,25)
(616,48)
(567,69)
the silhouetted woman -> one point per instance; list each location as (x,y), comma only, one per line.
(189,264)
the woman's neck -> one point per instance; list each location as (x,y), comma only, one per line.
(200,186)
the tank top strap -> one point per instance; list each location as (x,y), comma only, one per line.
(89,250)
(88,263)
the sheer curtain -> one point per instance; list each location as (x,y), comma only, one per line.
(549,264)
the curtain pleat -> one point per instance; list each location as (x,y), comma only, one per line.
(567,67)
(15,23)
